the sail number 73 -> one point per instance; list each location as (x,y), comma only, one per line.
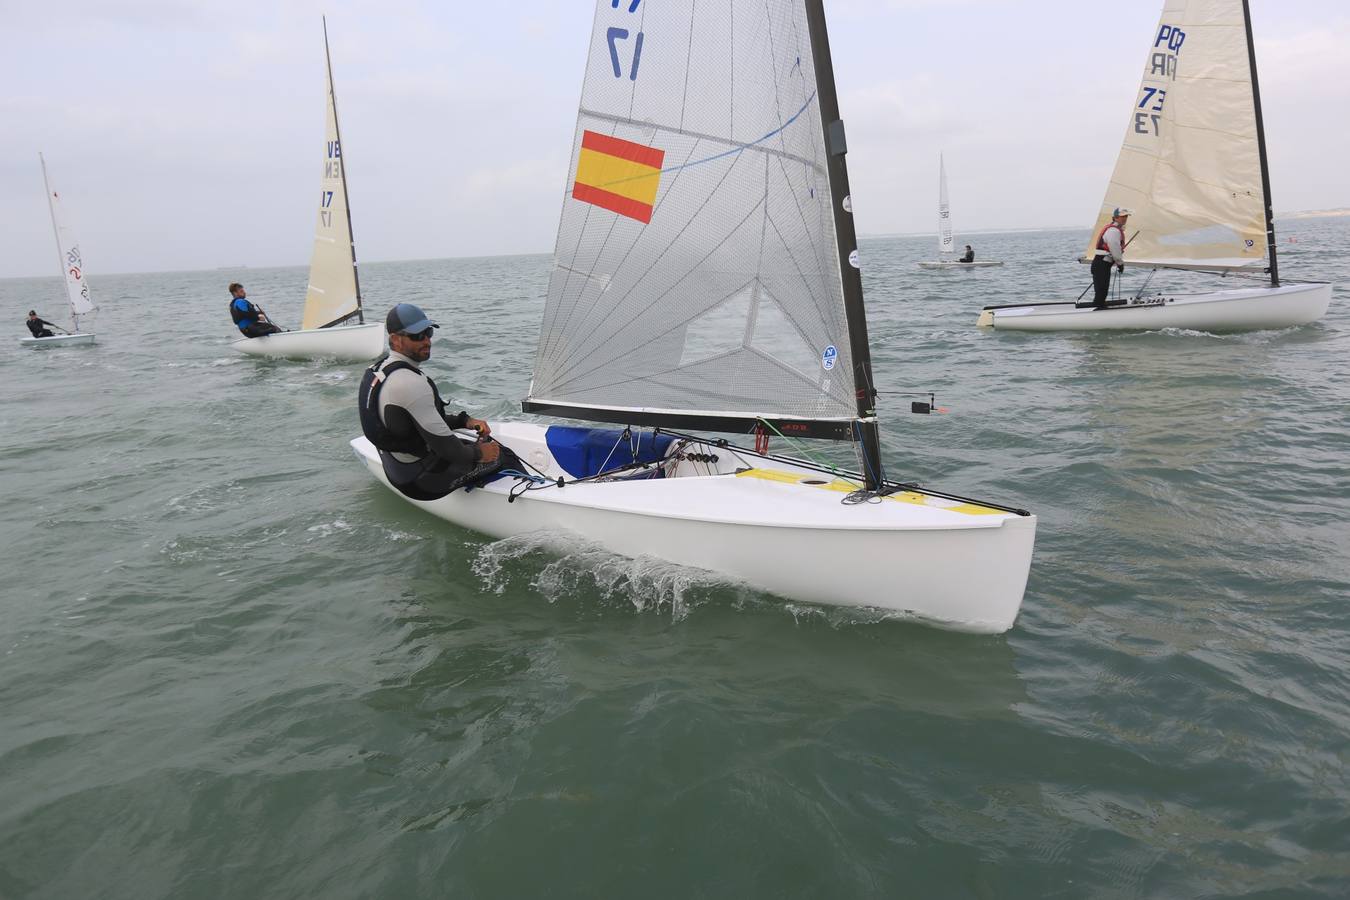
(1151,103)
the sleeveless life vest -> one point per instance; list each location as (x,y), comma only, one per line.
(244,319)
(407,477)
(1101,238)
(368,401)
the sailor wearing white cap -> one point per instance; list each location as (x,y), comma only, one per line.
(1110,252)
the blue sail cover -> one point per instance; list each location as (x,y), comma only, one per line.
(583,452)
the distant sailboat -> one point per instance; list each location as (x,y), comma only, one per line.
(333,321)
(946,243)
(71,263)
(1193,170)
(706,277)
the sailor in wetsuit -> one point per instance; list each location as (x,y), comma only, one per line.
(970,255)
(35,325)
(250,318)
(403,415)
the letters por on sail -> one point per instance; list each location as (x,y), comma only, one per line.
(618,175)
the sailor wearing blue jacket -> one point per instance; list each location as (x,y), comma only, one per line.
(250,318)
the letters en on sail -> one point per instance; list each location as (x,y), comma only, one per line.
(332,294)
(618,175)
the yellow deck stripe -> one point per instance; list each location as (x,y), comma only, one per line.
(842,486)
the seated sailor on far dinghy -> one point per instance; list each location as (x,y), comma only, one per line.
(970,255)
(250,318)
(40,328)
(403,415)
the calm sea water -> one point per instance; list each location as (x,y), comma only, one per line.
(231,665)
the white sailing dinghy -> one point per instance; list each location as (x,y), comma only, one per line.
(946,243)
(333,323)
(1193,170)
(71,262)
(706,278)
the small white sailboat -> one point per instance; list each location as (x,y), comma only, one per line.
(946,242)
(71,263)
(1193,169)
(333,323)
(706,277)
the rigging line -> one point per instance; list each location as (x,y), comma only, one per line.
(695,391)
(820,463)
(680,324)
(560,358)
(688,57)
(734,148)
(687,164)
(829,327)
(567,363)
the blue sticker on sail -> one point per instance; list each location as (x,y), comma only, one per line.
(828,357)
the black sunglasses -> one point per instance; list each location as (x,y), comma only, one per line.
(423,335)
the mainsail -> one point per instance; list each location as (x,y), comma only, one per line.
(945,239)
(698,279)
(1191,168)
(70,259)
(334,294)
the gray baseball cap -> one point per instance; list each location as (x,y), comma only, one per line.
(405,318)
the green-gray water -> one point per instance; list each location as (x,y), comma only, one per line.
(232,665)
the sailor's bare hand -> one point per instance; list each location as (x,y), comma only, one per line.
(479,425)
(489,451)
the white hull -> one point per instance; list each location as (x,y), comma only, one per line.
(940,264)
(951,564)
(60,340)
(346,342)
(1241,309)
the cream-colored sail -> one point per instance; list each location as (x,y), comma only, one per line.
(333,294)
(1190,168)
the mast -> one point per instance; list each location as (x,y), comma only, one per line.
(847,241)
(342,170)
(1261,145)
(60,254)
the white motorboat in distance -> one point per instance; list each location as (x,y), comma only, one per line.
(705,277)
(333,324)
(1193,171)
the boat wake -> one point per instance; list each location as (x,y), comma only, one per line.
(560,566)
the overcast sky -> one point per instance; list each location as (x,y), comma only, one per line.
(184,135)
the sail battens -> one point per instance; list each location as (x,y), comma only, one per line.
(333,293)
(707,275)
(1189,166)
(756,146)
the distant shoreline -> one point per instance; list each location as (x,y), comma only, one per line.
(1338,213)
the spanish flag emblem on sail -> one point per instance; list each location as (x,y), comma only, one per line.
(618,175)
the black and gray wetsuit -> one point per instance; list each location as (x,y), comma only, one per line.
(422,456)
(36,326)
